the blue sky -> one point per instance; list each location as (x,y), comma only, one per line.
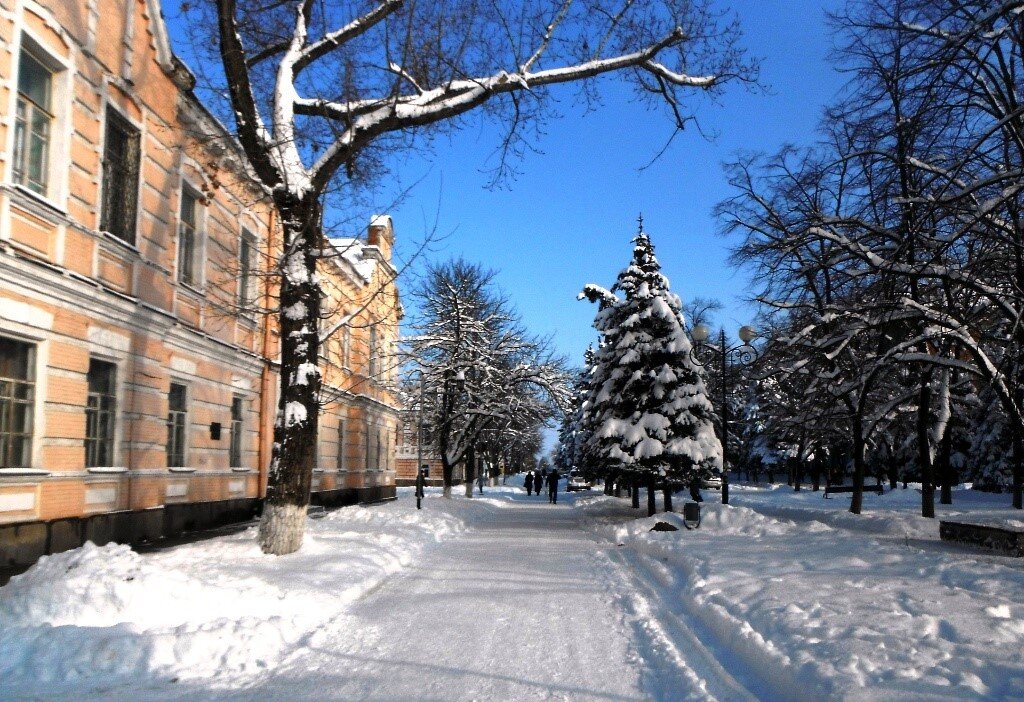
(568,218)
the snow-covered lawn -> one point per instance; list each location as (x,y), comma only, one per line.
(776,596)
(806,601)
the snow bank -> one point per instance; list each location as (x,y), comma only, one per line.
(816,603)
(215,611)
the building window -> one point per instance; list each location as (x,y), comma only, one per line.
(17,393)
(367,447)
(235,451)
(100,414)
(245,256)
(346,345)
(188,239)
(33,123)
(374,361)
(120,177)
(342,426)
(176,426)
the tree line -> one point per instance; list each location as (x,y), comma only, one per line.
(890,255)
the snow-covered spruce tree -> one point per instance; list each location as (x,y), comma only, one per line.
(651,412)
(991,450)
(322,93)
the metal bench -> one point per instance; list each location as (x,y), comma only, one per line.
(833,489)
(995,538)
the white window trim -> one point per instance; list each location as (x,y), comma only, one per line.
(61,128)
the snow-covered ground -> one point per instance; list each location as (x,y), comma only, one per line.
(776,596)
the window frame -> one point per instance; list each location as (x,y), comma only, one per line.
(193,258)
(366,448)
(23,125)
(113,117)
(110,412)
(177,420)
(373,361)
(9,400)
(62,69)
(246,292)
(235,448)
(346,346)
(341,458)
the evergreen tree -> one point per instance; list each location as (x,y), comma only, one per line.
(991,450)
(648,405)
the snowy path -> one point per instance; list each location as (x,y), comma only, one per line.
(780,596)
(520,607)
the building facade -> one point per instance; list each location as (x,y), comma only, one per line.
(137,375)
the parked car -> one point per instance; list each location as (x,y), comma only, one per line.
(713,481)
(577,482)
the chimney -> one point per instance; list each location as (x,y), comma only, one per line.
(381,233)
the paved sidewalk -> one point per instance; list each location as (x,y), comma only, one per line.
(519,608)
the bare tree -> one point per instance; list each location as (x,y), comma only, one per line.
(489,381)
(321,92)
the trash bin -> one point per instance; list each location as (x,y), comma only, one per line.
(691,515)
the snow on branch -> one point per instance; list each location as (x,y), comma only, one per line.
(596,293)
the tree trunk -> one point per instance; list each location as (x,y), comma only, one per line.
(857,501)
(634,491)
(924,455)
(667,488)
(295,430)
(946,467)
(652,506)
(470,469)
(447,474)
(1018,465)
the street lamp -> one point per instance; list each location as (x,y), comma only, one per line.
(703,353)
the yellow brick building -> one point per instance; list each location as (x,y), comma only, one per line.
(137,375)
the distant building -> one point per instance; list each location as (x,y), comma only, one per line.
(138,381)
(410,454)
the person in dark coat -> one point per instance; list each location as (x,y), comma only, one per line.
(421,485)
(529,482)
(553,486)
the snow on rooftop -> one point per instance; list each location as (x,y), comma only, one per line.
(352,251)
(380,220)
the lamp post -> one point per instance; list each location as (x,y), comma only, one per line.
(744,354)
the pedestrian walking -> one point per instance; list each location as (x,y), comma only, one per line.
(553,486)
(538,481)
(421,485)
(529,482)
